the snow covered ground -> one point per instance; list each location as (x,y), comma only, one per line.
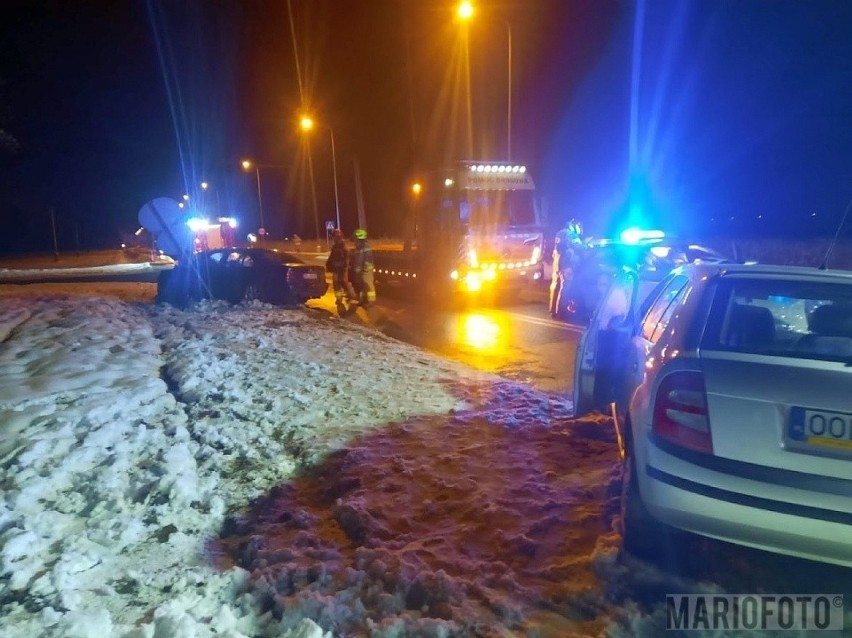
(257,471)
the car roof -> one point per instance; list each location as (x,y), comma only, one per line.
(611,246)
(668,240)
(251,250)
(732,269)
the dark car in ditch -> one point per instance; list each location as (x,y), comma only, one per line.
(242,274)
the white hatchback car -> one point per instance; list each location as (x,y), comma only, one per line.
(731,388)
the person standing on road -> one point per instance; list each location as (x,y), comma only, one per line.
(564,257)
(338,265)
(362,267)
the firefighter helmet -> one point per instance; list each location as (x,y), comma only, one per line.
(360,233)
(574,228)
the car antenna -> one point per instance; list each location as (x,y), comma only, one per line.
(828,252)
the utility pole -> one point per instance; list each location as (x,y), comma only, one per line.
(53,227)
(359,194)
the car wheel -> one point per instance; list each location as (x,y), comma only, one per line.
(253,292)
(637,528)
(644,536)
(162,286)
(172,289)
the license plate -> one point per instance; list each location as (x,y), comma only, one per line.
(309,275)
(821,430)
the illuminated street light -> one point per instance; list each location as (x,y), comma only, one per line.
(509,97)
(416,187)
(465,12)
(205,186)
(247,166)
(306,123)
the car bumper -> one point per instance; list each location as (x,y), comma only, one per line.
(314,291)
(787,520)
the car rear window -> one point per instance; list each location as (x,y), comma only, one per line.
(785,318)
(287,258)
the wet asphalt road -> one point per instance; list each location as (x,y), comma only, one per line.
(516,339)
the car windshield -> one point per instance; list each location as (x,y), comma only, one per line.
(783,318)
(486,208)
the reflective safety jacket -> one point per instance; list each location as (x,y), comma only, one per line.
(362,257)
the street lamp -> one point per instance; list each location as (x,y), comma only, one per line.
(465,11)
(509,97)
(247,166)
(307,124)
(205,185)
(412,224)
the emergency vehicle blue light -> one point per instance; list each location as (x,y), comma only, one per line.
(636,235)
(196,224)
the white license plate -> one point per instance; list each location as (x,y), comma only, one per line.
(821,430)
(309,275)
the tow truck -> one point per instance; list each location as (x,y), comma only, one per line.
(476,228)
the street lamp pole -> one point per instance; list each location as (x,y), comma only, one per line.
(307,124)
(465,11)
(334,169)
(259,198)
(248,164)
(509,98)
(204,186)
(313,192)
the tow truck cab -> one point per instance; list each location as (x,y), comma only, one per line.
(474,228)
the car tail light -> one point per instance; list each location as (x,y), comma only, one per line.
(680,411)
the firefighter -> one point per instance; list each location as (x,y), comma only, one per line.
(565,255)
(338,265)
(362,268)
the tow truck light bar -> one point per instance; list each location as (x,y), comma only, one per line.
(497,168)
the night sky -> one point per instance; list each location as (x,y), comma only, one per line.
(730,116)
